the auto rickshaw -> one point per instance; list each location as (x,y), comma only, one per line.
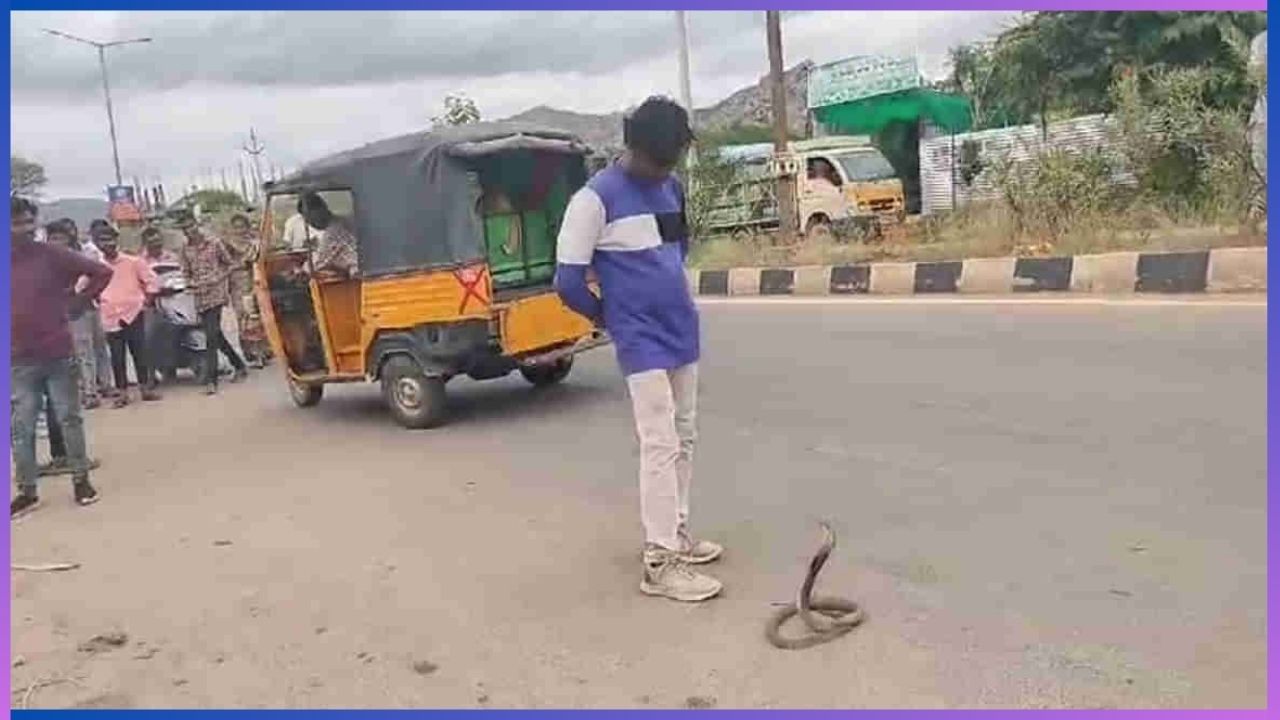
(455,236)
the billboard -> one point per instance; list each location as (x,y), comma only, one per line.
(122,205)
(861,77)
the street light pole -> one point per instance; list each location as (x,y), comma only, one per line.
(686,85)
(101,47)
(686,89)
(111,115)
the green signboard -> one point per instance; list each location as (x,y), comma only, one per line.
(861,77)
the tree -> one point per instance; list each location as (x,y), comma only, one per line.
(1033,60)
(972,75)
(458,110)
(25,176)
(738,134)
(1064,63)
(213,201)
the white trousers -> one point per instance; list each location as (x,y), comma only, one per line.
(665,406)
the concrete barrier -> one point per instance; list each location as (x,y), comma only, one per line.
(987,275)
(1241,269)
(1109,273)
(814,280)
(1238,269)
(744,281)
(893,278)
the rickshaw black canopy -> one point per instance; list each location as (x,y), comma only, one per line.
(416,195)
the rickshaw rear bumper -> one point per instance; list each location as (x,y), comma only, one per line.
(466,348)
(596,339)
(438,348)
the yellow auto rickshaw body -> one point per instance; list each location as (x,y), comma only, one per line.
(455,257)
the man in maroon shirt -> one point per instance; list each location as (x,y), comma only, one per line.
(42,299)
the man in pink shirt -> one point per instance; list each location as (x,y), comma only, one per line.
(121,305)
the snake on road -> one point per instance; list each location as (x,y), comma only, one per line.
(826,617)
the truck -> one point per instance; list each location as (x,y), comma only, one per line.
(842,182)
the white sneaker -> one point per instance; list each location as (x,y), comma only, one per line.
(667,574)
(699,552)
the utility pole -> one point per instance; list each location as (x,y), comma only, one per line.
(254,148)
(686,86)
(244,189)
(101,47)
(682,32)
(786,184)
(686,92)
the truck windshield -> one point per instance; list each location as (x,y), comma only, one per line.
(865,166)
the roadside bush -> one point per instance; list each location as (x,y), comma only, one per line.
(1058,191)
(1190,158)
(706,182)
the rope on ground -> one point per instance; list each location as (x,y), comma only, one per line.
(45,567)
(30,690)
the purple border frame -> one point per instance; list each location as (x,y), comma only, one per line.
(1273,691)
(621,5)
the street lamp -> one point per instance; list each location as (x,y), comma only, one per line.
(106,87)
(686,90)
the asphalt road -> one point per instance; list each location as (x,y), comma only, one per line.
(1053,505)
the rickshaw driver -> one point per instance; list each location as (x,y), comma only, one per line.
(336,249)
(335,259)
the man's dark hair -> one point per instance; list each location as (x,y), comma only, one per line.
(658,129)
(151,231)
(98,224)
(240,217)
(67,224)
(57,227)
(315,210)
(20,205)
(311,200)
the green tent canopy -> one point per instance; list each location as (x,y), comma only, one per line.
(871,115)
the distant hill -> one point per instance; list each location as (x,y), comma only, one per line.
(748,106)
(81,210)
(601,132)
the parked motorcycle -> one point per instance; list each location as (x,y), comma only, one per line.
(177,339)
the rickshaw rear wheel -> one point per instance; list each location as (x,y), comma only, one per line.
(548,375)
(305,395)
(415,399)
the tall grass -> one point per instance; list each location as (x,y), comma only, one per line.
(989,230)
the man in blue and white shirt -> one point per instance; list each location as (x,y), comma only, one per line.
(628,225)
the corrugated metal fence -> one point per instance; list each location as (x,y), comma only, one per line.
(941,185)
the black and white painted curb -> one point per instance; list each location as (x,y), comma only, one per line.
(1221,270)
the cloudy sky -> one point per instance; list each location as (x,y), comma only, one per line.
(314,83)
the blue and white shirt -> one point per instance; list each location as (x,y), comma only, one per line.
(633,233)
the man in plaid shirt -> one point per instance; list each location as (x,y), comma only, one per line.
(208,264)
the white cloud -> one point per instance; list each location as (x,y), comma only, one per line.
(196,115)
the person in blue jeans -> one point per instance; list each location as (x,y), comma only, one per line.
(58,463)
(43,298)
(629,225)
